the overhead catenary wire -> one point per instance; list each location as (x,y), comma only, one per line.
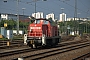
(31,3)
(51,10)
(59,5)
(88,8)
(48,8)
(74,7)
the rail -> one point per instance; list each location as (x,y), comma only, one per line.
(43,52)
(83,57)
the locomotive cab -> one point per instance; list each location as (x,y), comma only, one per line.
(41,33)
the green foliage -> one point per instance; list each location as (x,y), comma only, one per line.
(32,19)
(50,18)
(12,24)
(81,25)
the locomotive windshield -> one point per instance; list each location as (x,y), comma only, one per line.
(45,22)
(39,21)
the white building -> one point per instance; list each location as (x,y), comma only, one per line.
(51,15)
(6,16)
(38,15)
(83,19)
(62,17)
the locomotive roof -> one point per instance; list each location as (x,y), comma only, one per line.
(51,21)
(42,19)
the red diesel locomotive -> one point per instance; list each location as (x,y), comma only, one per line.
(42,32)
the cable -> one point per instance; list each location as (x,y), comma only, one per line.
(73,6)
(69,10)
(39,7)
(87,7)
(31,4)
(82,3)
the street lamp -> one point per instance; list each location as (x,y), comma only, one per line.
(62,9)
(17,17)
(63,19)
(78,22)
(78,14)
(23,17)
(23,10)
(62,14)
(5,1)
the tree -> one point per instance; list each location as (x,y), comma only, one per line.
(11,24)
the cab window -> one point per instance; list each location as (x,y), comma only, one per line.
(37,21)
(45,22)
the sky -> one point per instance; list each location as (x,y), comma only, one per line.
(49,6)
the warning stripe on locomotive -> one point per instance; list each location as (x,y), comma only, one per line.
(35,27)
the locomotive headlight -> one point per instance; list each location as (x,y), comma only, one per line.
(39,37)
(30,30)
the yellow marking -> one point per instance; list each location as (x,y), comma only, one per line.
(31,41)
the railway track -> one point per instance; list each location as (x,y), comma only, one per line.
(19,43)
(54,52)
(4,44)
(41,53)
(83,57)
